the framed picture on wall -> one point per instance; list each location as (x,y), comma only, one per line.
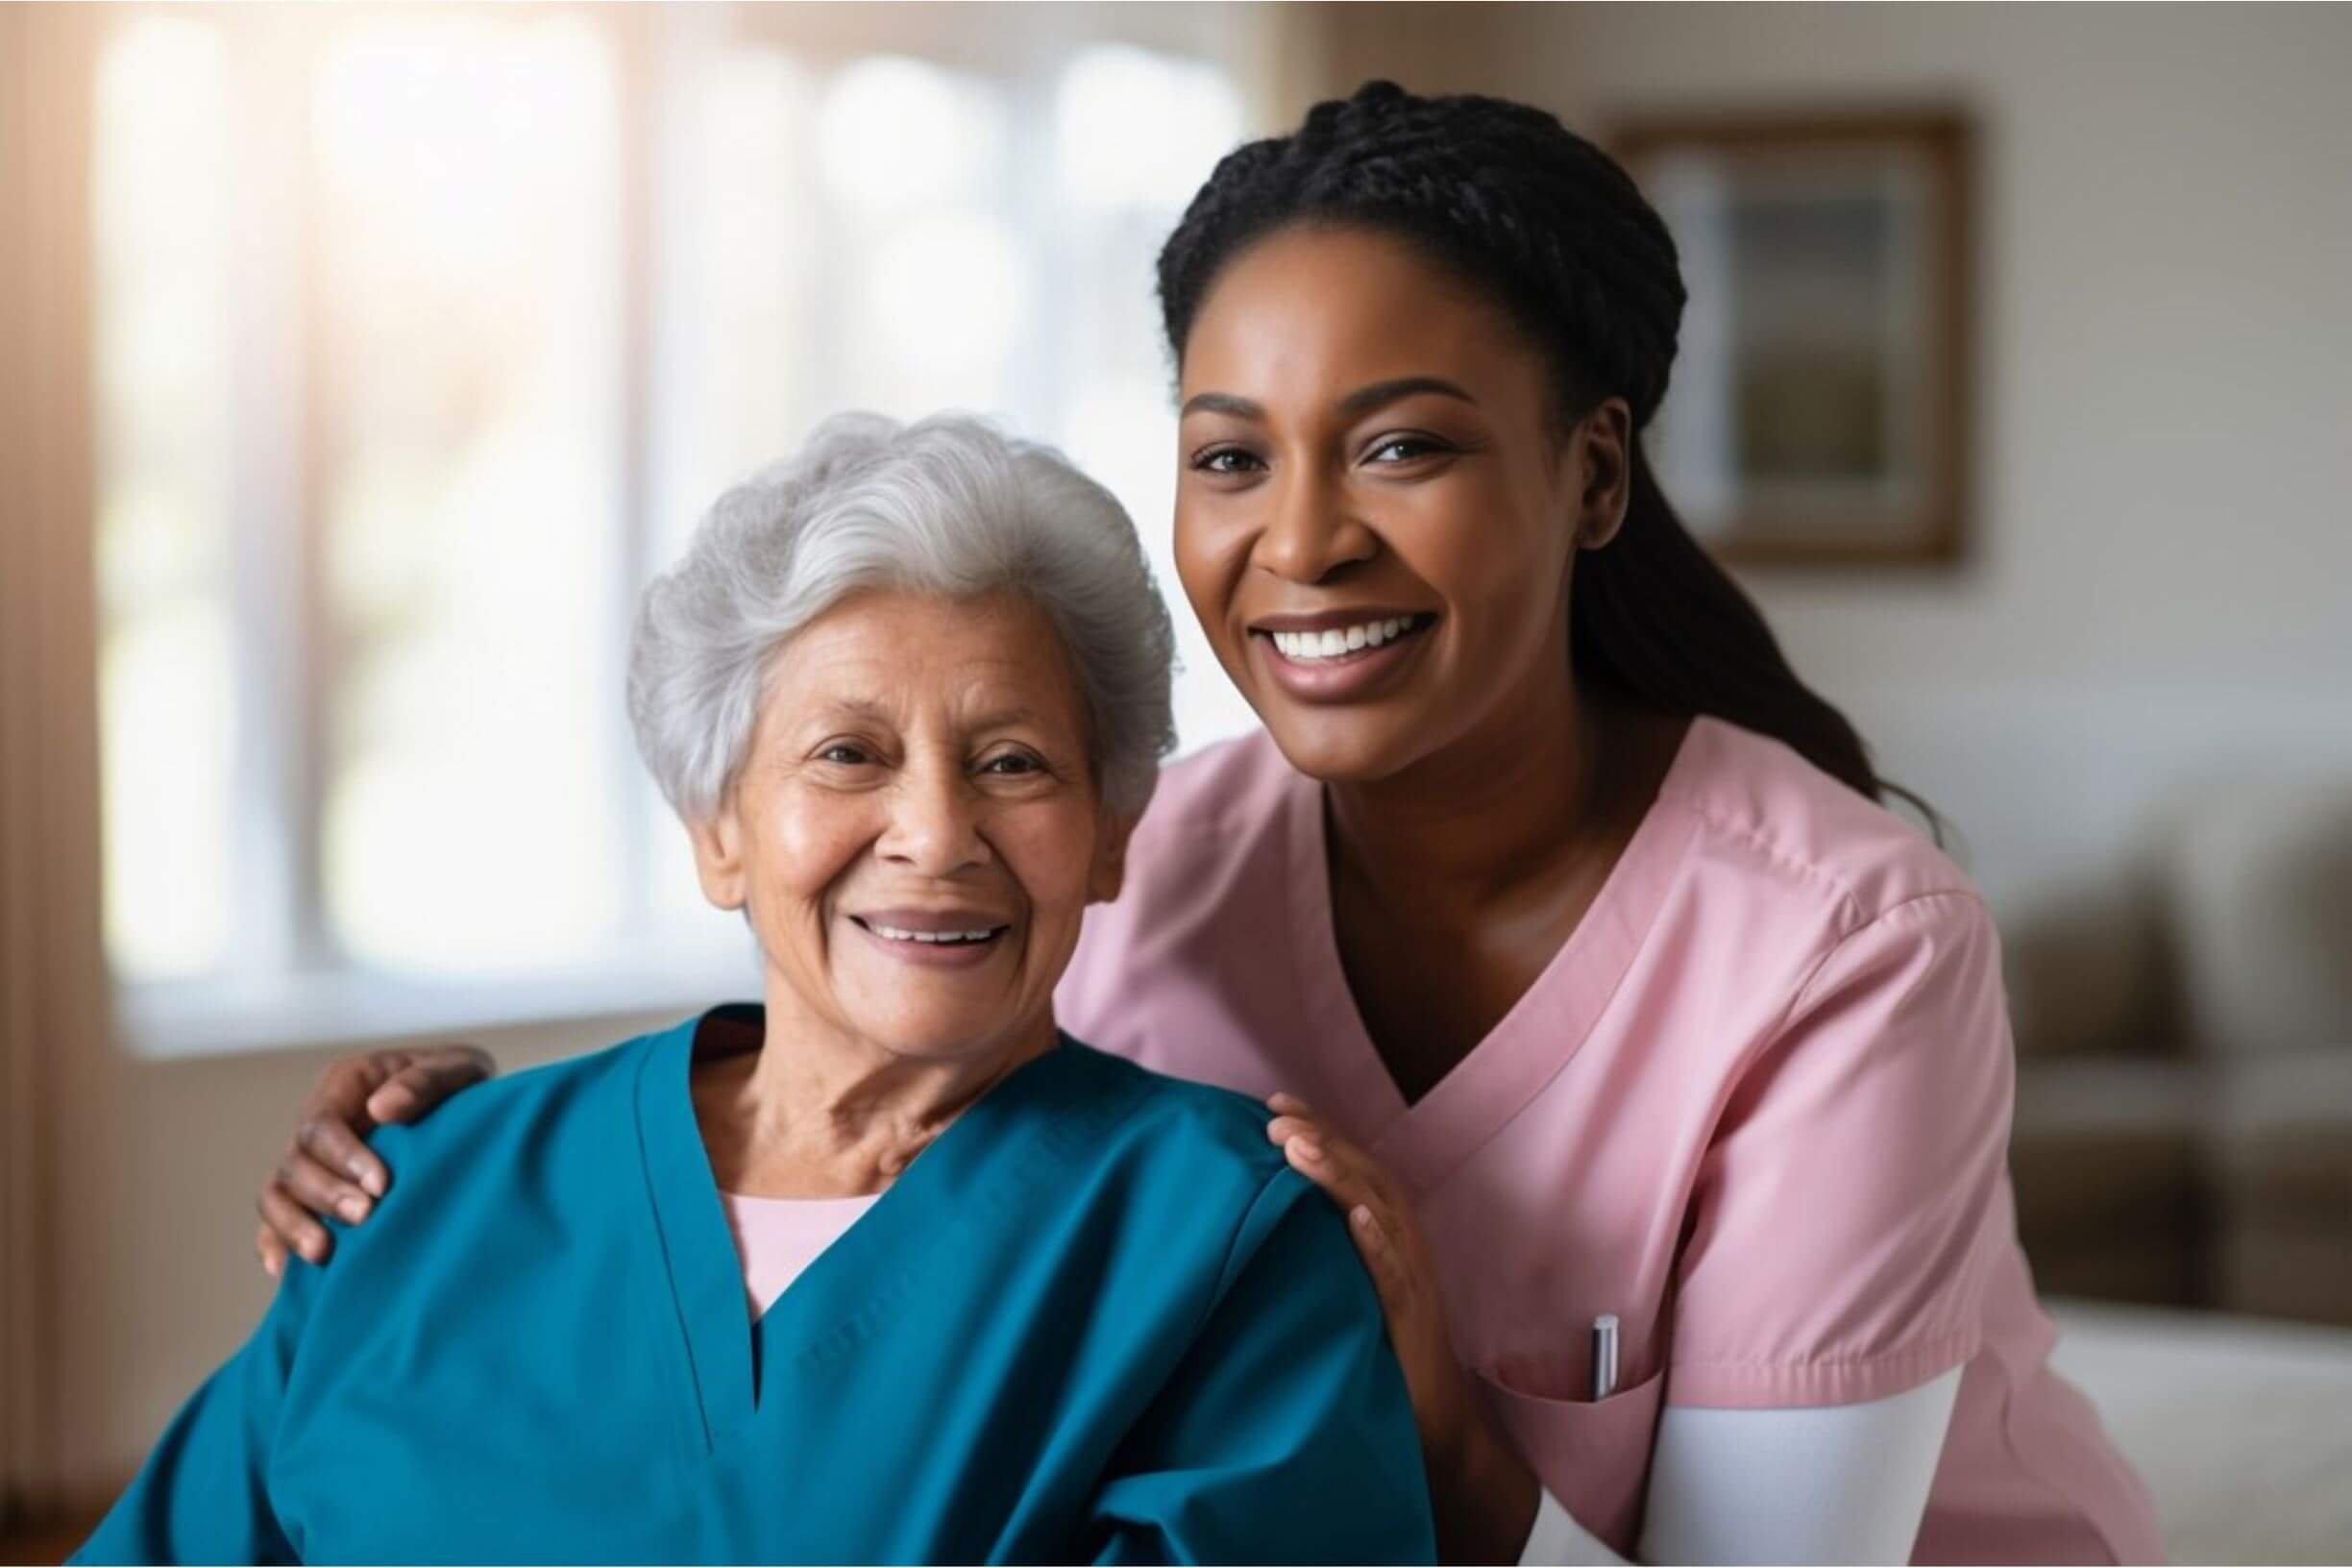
(1819,407)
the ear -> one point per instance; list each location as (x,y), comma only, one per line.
(719,856)
(1108,873)
(1600,455)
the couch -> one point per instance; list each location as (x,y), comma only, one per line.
(2184,1116)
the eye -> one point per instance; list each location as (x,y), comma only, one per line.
(1411,445)
(845,755)
(1012,764)
(1225,461)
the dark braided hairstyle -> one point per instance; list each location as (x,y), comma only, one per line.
(1505,197)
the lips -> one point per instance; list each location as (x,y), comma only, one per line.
(1339,655)
(1337,642)
(934,938)
(934,927)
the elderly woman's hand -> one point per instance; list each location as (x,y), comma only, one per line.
(1482,1491)
(326,1166)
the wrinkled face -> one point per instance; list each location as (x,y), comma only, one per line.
(1376,506)
(915,831)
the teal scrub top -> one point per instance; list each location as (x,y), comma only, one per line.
(1097,1319)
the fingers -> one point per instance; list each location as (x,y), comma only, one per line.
(1331,1162)
(339,1157)
(270,1250)
(316,1186)
(295,1228)
(1382,1257)
(1377,1219)
(426,1079)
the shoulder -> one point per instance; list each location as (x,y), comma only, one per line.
(1175,1124)
(1786,834)
(1200,1176)
(1208,869)
(1866,952)
(483,1133)
(1205,799)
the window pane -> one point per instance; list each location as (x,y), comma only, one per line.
(168,709)
(469,302)
(931,273)
(1134,132)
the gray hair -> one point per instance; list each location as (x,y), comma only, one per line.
(950,506)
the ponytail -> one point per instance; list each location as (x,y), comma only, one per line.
(1654,617)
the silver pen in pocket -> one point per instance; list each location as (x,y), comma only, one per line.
(1604,1357)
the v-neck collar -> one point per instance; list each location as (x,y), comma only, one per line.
(954,1196)
(1425,1141)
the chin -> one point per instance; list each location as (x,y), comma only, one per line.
(1336,747)
(928,1039)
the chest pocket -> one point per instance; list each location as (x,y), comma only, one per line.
(1592,1455)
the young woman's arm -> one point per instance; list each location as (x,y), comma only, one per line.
(1830,1483)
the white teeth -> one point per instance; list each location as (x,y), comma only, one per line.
(1307,646)
(896,935)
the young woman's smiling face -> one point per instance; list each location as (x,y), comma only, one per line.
(1377,505)
(915,831)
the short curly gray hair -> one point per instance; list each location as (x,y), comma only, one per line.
(948,506)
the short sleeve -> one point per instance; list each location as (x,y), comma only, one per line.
(1851,1202)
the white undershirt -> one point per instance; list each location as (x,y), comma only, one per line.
(1830,1484)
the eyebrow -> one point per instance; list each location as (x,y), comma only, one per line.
(994,719)
(1362,401)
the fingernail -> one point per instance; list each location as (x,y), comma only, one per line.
(271,1267)
(1363,1216)
(372,1180)
(354,1210)
(1307,1150)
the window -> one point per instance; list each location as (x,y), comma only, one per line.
(424,338)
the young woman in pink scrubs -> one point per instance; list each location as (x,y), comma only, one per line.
(1566,917)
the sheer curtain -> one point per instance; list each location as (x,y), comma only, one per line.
(52,976)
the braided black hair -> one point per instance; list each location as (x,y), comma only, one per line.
(1547,226)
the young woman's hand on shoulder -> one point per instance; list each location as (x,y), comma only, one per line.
(326,1167)
(1482,1492)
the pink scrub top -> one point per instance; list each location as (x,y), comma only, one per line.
(1757,1106)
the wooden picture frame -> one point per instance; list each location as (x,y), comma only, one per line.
(1820,409)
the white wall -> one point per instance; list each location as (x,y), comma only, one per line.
(2161,583)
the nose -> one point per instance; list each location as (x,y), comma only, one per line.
(934,826)
(1310,534)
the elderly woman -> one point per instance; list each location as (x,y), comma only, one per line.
(1009,1298)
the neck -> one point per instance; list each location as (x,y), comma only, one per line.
(1510,803)
(814,1112)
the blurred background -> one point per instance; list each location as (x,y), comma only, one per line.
(360,363)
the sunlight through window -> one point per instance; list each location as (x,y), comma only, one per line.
(168,709)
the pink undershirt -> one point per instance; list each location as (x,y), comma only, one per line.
(779,1237)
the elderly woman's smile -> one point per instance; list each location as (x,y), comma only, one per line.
(916,830)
